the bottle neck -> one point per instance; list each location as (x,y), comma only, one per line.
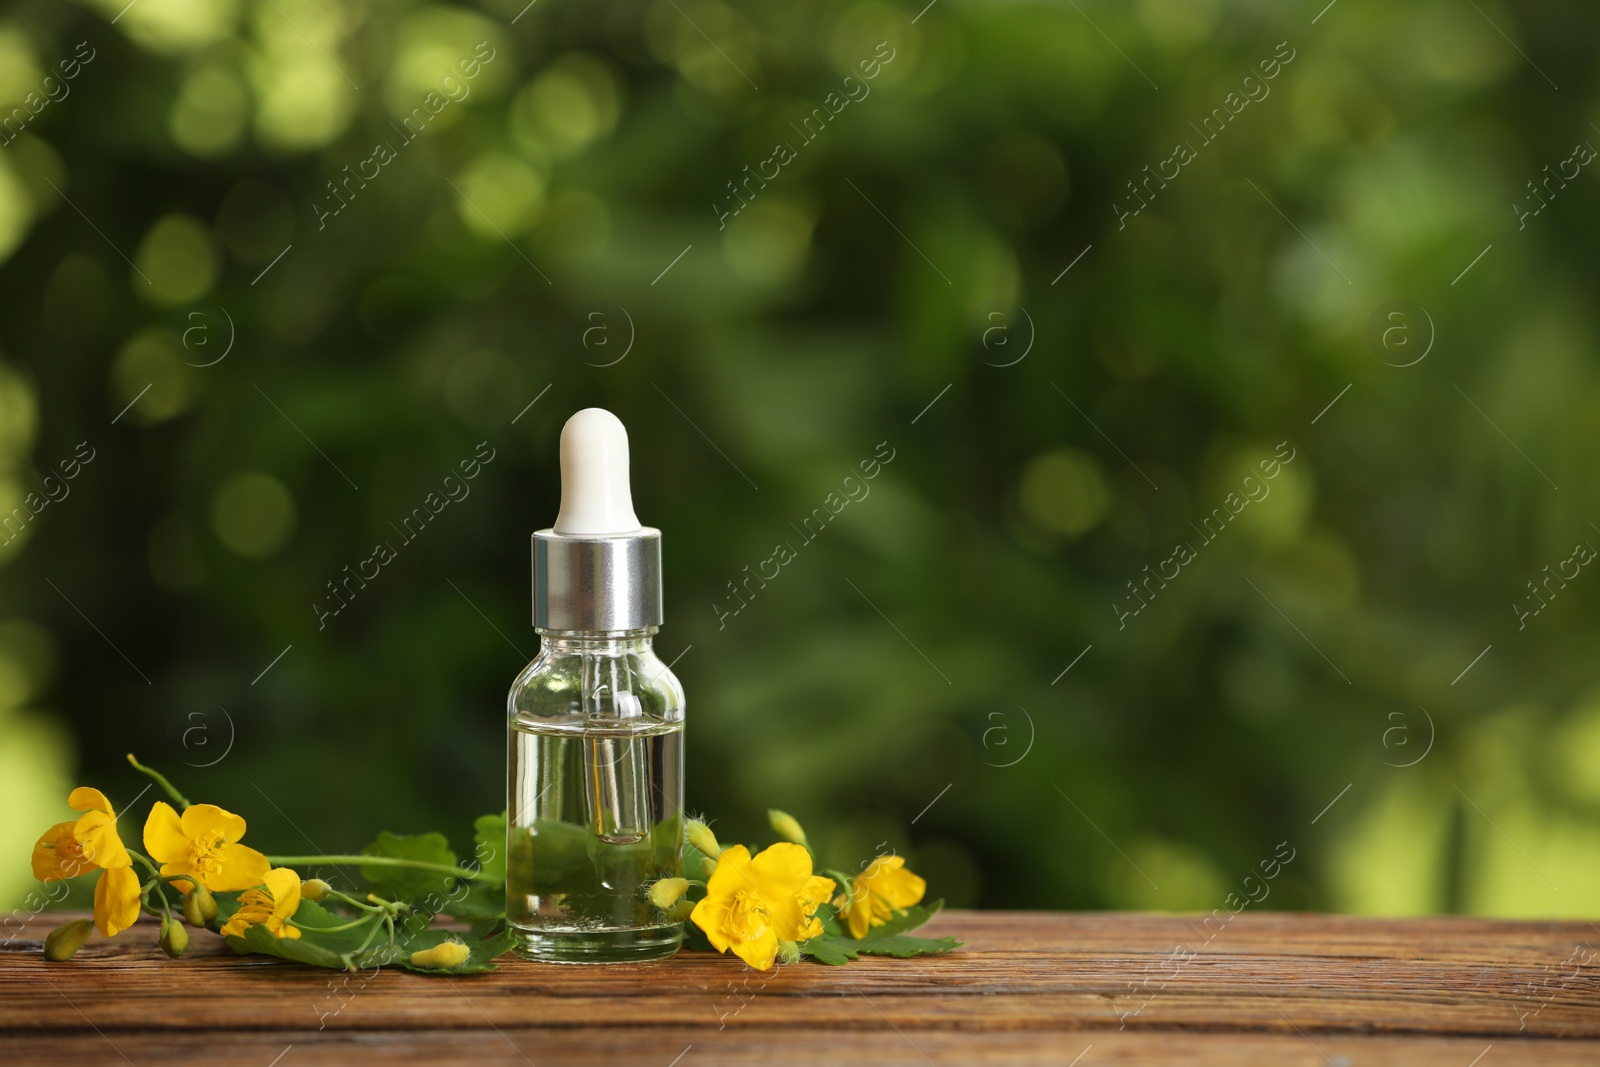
(608,642)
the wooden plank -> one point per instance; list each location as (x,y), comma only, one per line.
(1268,988)
(696,1047)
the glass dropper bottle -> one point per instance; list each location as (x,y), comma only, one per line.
(595,753)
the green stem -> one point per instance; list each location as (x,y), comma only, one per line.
(334,929)
(351,957)
(161,780)
(375,861)
(363,905)
(154,883)
(149,866)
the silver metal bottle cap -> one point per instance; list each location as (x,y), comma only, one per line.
(597,568)
(592,582)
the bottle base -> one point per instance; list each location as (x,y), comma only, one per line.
(597,946)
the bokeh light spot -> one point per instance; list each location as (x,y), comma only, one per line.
(177,259)
(253,514)
(1063,492)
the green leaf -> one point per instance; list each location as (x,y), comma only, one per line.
(825,948)
(484,945)
(910,919)
(836,950)
(311,947)
(490,838)
(428,889)
(338,949)
(835,946)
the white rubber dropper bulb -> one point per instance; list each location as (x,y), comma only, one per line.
(596,497)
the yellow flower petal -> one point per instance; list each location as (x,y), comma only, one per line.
(884,886)
(249,914)
(201,821)
(887,878)
(729,877)
(759,953)
(859,911)
(271,904)
(241,867)
(752,904)
(116,901)
(58,855)
(812,928)
(97,834)
(816,890)
(284,885)
(163,835)
(880,866)
(88,798)
(711,916)
(780,871)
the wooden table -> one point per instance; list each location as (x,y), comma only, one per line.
(1028,988)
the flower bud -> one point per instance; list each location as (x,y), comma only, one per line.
(708,865)
(788,952)
(445,956)
(680,911)
(199,907)
(786,826)
(314,889)
(701,837)
(62,943)
(668,891)
(174,938)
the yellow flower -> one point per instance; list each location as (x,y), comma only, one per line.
(116,900)
(204,844)
(445,956)
(271,905)
(752,904)
(668,891)
(69,849)
(878,891)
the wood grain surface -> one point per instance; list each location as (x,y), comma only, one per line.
(1080,989)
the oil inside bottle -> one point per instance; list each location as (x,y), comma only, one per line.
(593,821)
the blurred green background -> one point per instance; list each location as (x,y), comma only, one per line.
(905,679)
